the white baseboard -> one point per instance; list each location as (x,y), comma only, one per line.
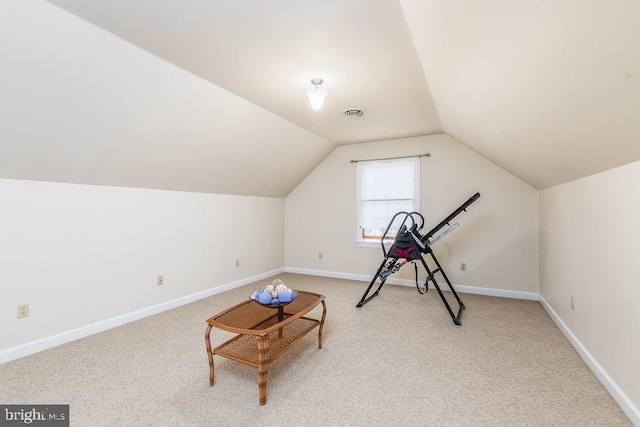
(630,410)
(84,331)
(533,296)
(321,273)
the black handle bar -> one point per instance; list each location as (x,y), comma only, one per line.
(448,219)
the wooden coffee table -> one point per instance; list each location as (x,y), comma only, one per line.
(264,333)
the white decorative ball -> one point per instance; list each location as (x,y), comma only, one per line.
(274,294)
(269,288)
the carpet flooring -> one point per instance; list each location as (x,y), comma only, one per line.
(399,360)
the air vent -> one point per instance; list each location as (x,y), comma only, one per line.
(353,112)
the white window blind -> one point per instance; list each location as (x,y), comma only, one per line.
(385,188)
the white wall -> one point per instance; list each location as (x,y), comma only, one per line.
(497,237)
(589,249)
(81,254)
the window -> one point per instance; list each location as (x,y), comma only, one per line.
(386,187)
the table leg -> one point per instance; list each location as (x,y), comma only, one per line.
(324,315)
(209,354)
(263,365)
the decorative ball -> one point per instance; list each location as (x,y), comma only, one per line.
(274,294)
(270,288)
(275,301)
(281,288)
(255,295)
(277,282)
(264,298)
(285,296)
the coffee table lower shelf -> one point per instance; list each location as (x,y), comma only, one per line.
(244,348)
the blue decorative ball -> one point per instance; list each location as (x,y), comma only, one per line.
(285,296)
(264,298)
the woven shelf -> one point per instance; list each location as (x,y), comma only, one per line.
(244,348)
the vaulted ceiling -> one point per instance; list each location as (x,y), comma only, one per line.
(183,95)
(548,90)
(269,51)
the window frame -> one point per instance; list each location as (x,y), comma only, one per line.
(372,241)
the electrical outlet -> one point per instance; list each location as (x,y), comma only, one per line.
(319,255)
(160,280)
(237,263)
(463,266)
(23,310)
(572,302)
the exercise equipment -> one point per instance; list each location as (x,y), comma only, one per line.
(410,246)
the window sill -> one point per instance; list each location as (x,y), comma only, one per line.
(372,244)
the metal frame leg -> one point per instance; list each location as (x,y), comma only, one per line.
(364,298)
(431,276)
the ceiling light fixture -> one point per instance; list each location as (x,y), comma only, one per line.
(317,94)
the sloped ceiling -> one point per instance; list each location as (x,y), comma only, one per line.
(80,105)
(548,90)
(209,95)
(269,51)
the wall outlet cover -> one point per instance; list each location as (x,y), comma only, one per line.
(23,310)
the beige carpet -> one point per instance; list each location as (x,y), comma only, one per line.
(399,360)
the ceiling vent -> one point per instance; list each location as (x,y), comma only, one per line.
(353,112)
